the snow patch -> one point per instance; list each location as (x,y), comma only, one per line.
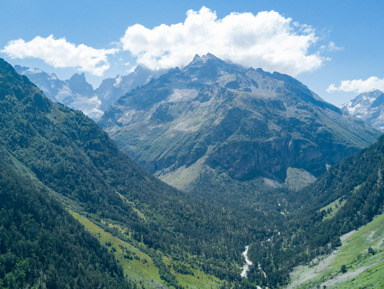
(89,106)
(127,117)
(118,81)
(33,71)
(182,95)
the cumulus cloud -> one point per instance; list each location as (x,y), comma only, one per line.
(61,53)
(266,40)
(358,85)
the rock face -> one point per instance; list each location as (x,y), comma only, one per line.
(218,126)
(368,106)
(78,94)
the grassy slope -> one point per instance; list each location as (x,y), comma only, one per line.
(364,270)
(333,207)
(142,268)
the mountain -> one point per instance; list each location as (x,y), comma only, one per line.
(50,84)
(213,126)
(59,169)
(111,89)
(78,94)
(368,106)
(161,237)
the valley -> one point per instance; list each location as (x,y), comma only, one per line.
(268,177)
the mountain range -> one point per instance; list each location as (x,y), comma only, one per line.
(159,237)
(77,212)
(216,126)
(77,93)
(368,106)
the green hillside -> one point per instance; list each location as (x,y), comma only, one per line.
(348,197)
(41,245)
(362,254)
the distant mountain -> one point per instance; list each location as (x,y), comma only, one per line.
(368,106)
(111,89)
(215,126)
(78,94)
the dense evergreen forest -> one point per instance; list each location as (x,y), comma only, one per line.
(42,246)
(74,165)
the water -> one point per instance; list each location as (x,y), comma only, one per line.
(248,263)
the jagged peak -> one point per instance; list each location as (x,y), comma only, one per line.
(79,84)
(205,58)
(78,77)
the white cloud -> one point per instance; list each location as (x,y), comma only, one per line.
(61,53)
(266,40)
(331,46)
(358,85)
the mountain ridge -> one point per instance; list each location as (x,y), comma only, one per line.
(77,93)
(223,120)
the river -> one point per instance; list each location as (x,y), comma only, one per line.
(247,263)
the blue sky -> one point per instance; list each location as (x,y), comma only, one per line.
(319,42)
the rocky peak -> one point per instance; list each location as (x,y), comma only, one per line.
(78,84)
(208,68)
(204,59)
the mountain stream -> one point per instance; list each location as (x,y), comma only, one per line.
(247,263)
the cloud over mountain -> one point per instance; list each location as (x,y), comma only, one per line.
(358,85)
(266,40)
(60,53)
